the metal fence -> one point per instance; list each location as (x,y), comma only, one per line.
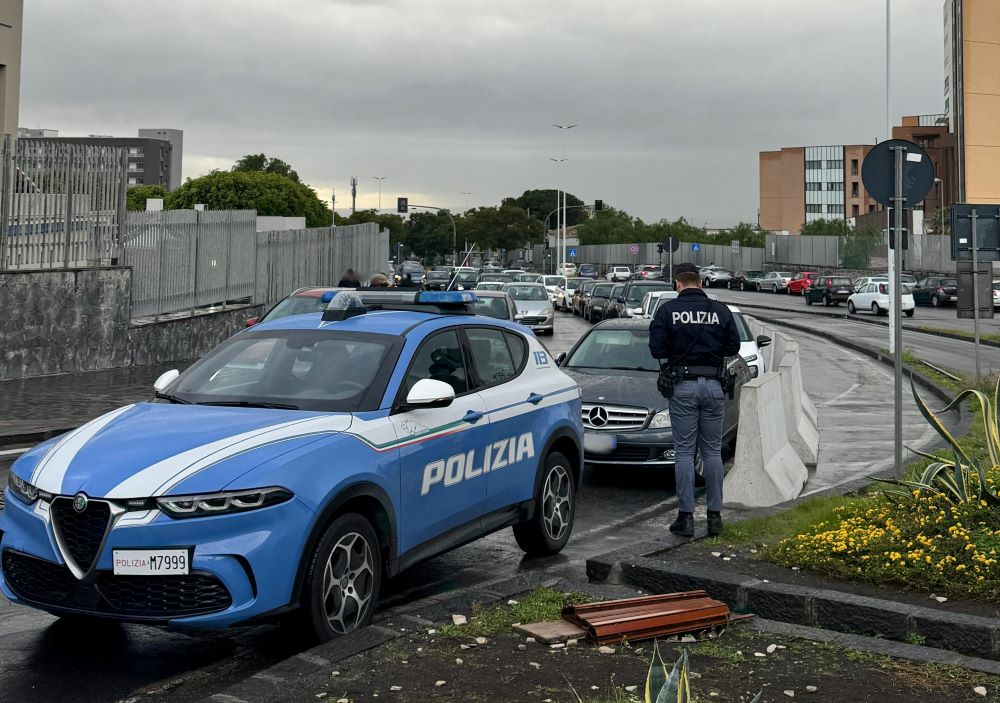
(60,204)
(183,260)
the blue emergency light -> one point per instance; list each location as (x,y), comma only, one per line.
(445,297)
(328,296)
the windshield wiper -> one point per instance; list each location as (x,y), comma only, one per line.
(627,368)
(171,398)
(250,404)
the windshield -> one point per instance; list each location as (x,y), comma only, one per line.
(297,369)
(496,277)
(614,349)
(527,292)
(840,281)
(948,282)
(636,293)
(555,281)
(754,274)
(296,305)
(602,290)
(574,282)
(467,277)
(491,285)
(411,267)
(491,307)
(438,275)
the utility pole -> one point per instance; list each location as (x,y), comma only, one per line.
(379,179)
(564,128)
(354,194)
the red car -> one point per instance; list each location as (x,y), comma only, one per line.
(801,281)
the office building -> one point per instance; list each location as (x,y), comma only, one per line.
(151,160)
(931,133)
(29,133)
(803,184)
(176,139)
(11,14)
(972,96)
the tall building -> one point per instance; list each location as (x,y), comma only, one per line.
(931,132)
(972,96)
(11,14)
(803,184)
(29,133)
(151,160)
(176,139)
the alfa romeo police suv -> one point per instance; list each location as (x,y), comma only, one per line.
(298,465)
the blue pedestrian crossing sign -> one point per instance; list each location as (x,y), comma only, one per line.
(696,247)
(571,252)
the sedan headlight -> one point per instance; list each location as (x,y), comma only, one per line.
(548,311)
(750,359)
(660,420)
(222,503)
(24,491)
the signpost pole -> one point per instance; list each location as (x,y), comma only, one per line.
(897,300)
(975,285)
(671,260)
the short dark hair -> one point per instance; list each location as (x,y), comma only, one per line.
(688,278)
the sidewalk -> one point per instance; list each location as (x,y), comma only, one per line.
(34,409)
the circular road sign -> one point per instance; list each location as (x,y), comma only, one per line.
(878,172)
(634,249)
(672,243)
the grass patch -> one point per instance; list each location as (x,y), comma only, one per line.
(717,650)
(768,531)
(542,604)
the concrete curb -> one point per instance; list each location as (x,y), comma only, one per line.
(869,321)
(826,609)
(24,439)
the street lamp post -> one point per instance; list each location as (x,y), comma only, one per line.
(560,214)
(466,193)
(379,179)
(940,186)
(564,128)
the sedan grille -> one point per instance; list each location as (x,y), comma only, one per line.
(534,320)
(613,417)
(37,579)
(82,532)
(172,596)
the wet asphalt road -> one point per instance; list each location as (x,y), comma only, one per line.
(45,659)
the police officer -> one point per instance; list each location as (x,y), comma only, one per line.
(692,335)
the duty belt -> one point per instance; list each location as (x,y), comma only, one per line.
(689,372)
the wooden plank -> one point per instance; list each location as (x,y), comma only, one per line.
(552,631)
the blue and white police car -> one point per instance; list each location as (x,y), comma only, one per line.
(298,465)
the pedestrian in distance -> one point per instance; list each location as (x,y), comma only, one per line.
(691,336)
(350,280)
(407,281)
(379,280)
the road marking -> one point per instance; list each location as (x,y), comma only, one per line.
(14,452)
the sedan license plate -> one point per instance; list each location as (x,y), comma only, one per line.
(151,562)
(599,443)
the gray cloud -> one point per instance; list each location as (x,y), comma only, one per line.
(675,97)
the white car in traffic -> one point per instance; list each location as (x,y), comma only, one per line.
(874,296)
(556,286)
(618,274)
(567,269)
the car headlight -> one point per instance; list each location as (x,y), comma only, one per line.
(548,311)
(750,359)
(660,420)
(24,491)
(222,503)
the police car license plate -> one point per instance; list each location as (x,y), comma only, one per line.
(151,562)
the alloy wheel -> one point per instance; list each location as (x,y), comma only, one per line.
(556,507)
(348,578)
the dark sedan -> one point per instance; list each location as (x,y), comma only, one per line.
(745,280)
(829,290)
(593,305)
(580,295)
(625,419)
(936,291)
(436,280)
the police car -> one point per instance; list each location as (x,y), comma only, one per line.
(297,466)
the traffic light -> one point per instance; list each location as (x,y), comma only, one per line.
(402,205)
(598,205)
(659,248)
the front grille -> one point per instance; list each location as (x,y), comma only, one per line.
(532,320)
(37,579)
(81,532)
(632,454)
(618,417)
(172,596)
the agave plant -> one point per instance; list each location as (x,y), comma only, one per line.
(959,478)
(672,688)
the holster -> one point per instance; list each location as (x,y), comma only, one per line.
(667,380)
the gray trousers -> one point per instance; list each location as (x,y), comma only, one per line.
(696,414)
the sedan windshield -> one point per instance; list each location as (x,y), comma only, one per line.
(293,369)
(949,282)
(840,281)
(492,306)
(527,292)
(555,281)
(626,350)
(602,290)
(636,293)
(438,275)
(295,305)
(496,278)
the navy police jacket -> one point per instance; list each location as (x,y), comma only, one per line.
(693,330)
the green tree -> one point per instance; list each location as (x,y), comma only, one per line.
(267,193)
(260,162)
(612,226)
(506,227)
(746,233)
(829,228)
(429,235)
(540,203)
(135,198)
(386,220)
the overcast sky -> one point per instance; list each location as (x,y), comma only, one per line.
(674,97)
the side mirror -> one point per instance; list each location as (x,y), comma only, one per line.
(763,341)
(252,321)
(620,299)
(429,393)
(163,382)
(560,358)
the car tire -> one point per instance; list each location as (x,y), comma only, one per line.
(347,561)
(809,300)
(876,311)
(549,528)
(909,313)
(826,301)
(850,307)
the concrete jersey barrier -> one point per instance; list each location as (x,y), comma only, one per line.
(800,413)
(767,470)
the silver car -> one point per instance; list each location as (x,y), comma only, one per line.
(715,276)
(534,309)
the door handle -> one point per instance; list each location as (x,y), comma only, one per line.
(473,416)
(534,399)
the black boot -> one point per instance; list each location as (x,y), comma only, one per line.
(683,526)
(714,524)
